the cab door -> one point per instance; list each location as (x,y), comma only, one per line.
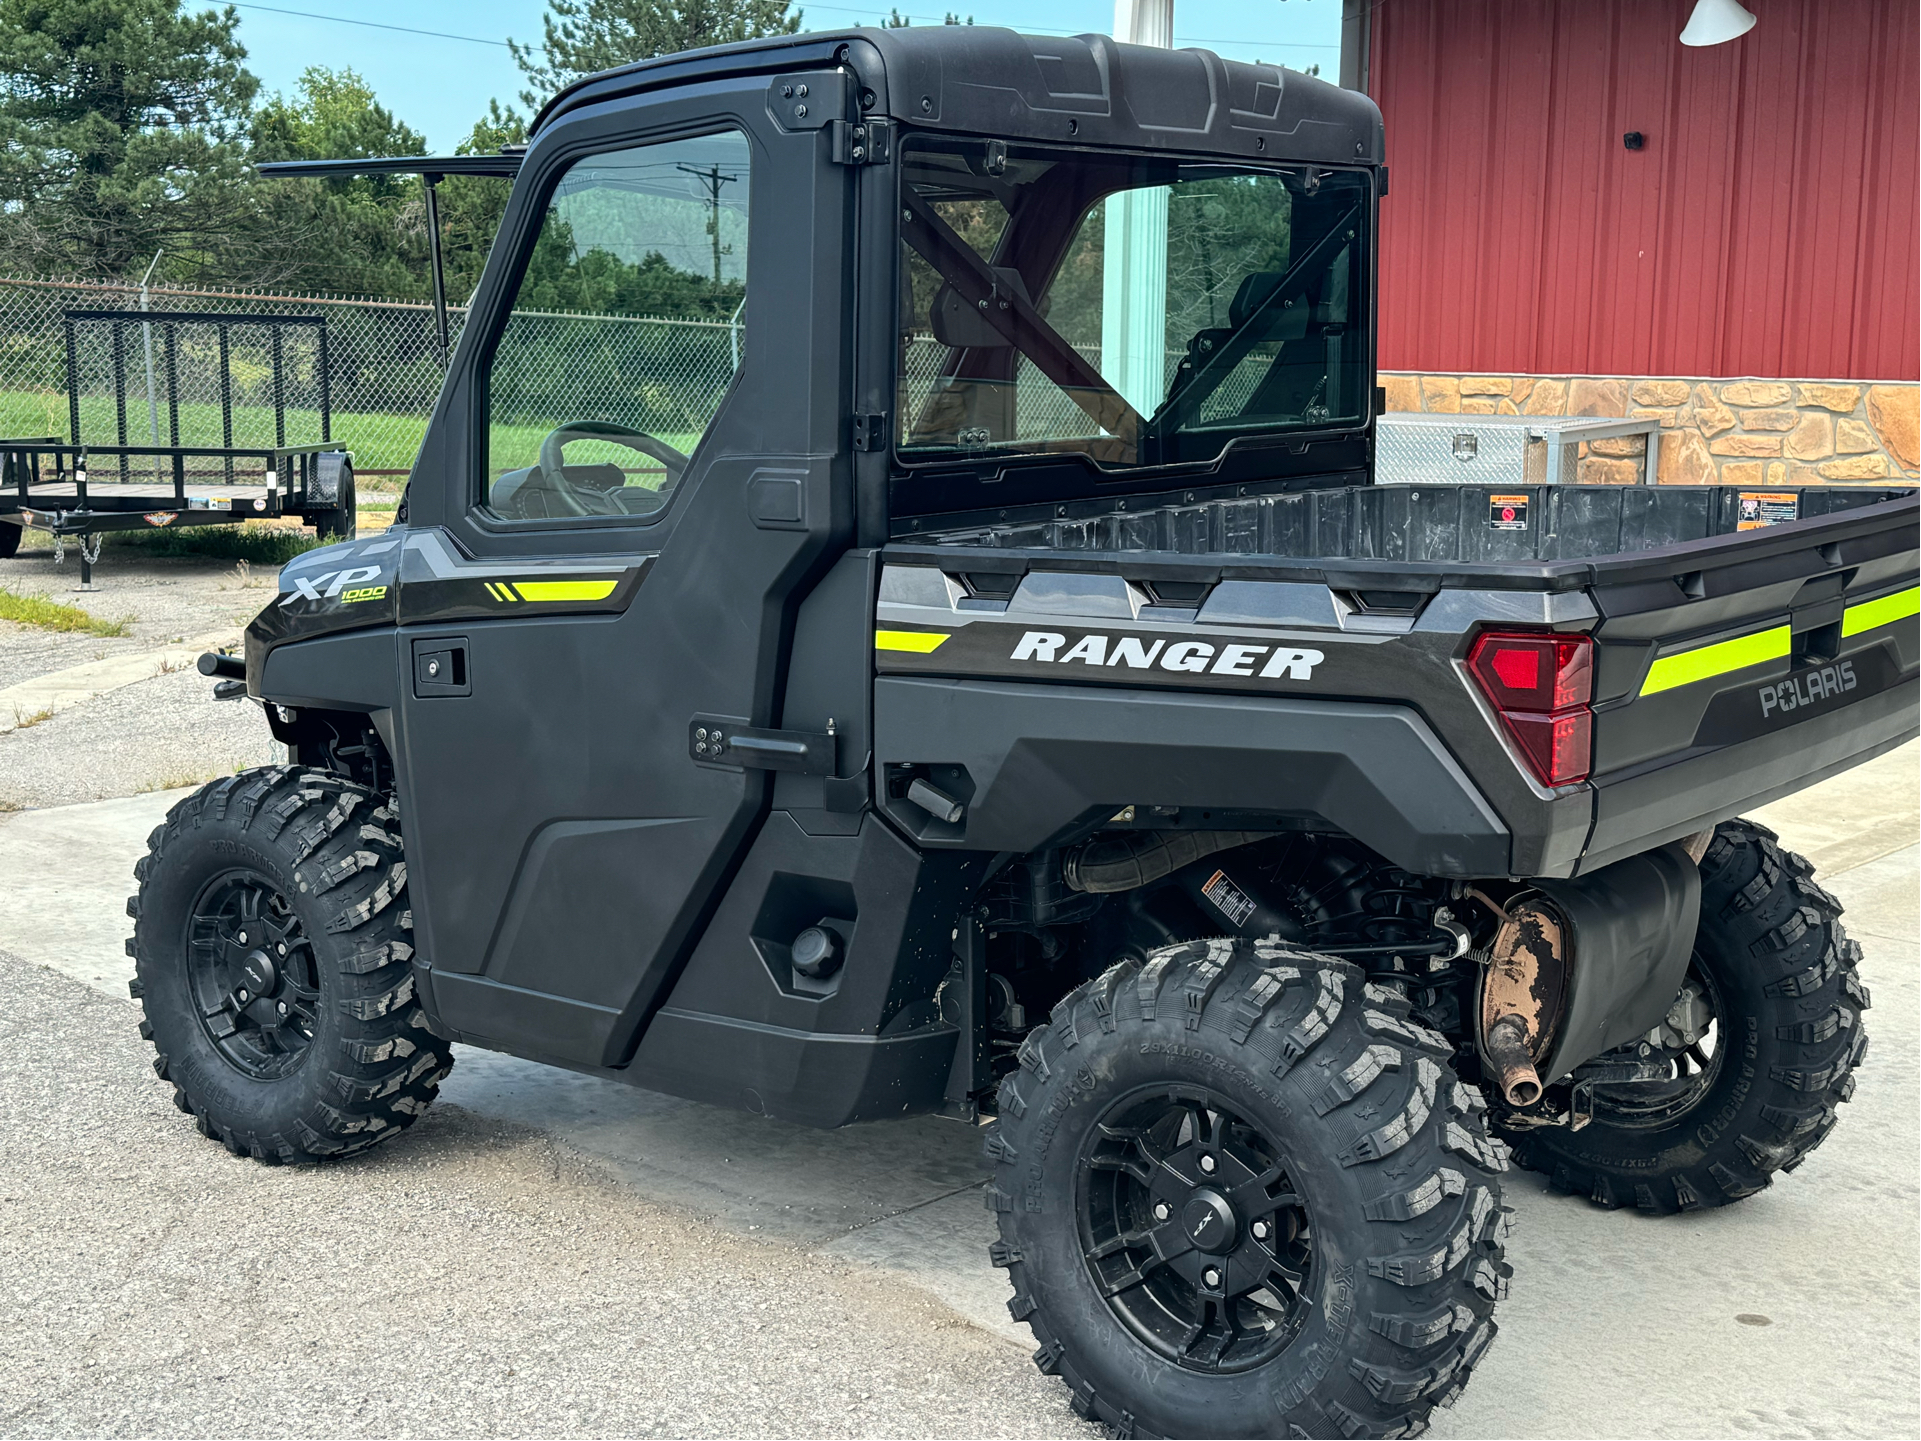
(631,482)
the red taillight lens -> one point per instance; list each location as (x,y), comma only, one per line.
(1534,672)
(1557,746)
(1540,685)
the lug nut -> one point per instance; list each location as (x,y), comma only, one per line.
(1211,1277)
(242,993)
(282,948)
(242,938)
(283,1008)
(1207,1164)
(1161,1211)
(1260,1230)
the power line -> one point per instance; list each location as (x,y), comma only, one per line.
(369,24)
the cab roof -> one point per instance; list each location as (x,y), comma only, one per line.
(1085,90)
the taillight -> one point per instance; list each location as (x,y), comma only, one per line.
(1540,684)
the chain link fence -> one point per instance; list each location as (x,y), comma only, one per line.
(382,369)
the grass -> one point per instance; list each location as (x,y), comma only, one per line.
(272,545)
(47,614)
(23,721)
(379,439)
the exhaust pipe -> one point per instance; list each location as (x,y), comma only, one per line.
(1506,1047)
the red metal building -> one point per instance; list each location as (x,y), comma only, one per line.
(1767,224)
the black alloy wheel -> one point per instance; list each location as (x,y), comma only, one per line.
(273,963)
(1193,1232)
(1241,1193)
(252,974)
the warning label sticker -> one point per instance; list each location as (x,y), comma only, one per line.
(1507,512)
(1767,507)
(1229,899)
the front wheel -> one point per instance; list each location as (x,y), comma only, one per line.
(1241,1193)
(1752,1060)
(274,966)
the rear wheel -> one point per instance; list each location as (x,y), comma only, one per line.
(273,963)
(1749,1066)
(10,535)
(1241,1193)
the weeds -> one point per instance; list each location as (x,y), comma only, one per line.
(23,721)
(269,545)
(48,614)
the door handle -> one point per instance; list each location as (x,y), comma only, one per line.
(440,667)
(721,740)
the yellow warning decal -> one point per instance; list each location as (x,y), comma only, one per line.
(550,590)
(920,642)
(1885,611)
(1705,662)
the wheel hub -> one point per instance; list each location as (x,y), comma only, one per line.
(1193,1232)
(257,974)
(252,975)
(1210,1222)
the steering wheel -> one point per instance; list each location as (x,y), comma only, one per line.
(552,462)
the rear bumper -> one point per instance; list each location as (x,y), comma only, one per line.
(1667,802)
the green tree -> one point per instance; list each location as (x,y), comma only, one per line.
(359,233)
(471,205)
(580,37)
(122,131)
(894,20)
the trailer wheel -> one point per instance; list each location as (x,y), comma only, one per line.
(341,521)
(271,942)
(1760,1047)
(1241,1193)
(10,536)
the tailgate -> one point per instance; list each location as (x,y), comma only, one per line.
(1733,672)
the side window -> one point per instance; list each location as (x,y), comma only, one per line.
(624,334)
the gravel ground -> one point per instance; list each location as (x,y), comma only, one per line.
(165,598)
(159,733)
(475,1280)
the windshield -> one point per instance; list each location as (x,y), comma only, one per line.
(1137,310)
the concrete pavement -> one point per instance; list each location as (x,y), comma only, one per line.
(1616,1323)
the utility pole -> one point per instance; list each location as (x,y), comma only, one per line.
(711,179)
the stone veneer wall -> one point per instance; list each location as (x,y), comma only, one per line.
(1736,432)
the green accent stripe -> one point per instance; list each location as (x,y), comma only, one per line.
(565,589)
(1885,611)
(921,642)
(1707,661)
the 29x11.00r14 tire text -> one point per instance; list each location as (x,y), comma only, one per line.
(273,963)
(1241,1193)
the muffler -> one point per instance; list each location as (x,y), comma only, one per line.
(1580,967)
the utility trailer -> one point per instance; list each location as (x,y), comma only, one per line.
(81,489)
(1014,700)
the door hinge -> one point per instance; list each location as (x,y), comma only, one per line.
(861,142)
(724,741)
(870,430)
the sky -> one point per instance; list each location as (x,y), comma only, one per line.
(441,83)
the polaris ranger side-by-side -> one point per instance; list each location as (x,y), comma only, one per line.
(1007,697)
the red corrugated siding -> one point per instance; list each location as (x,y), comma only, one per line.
(1770,227)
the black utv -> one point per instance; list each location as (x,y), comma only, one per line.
(964,665)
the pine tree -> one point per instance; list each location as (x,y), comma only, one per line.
(122,131)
